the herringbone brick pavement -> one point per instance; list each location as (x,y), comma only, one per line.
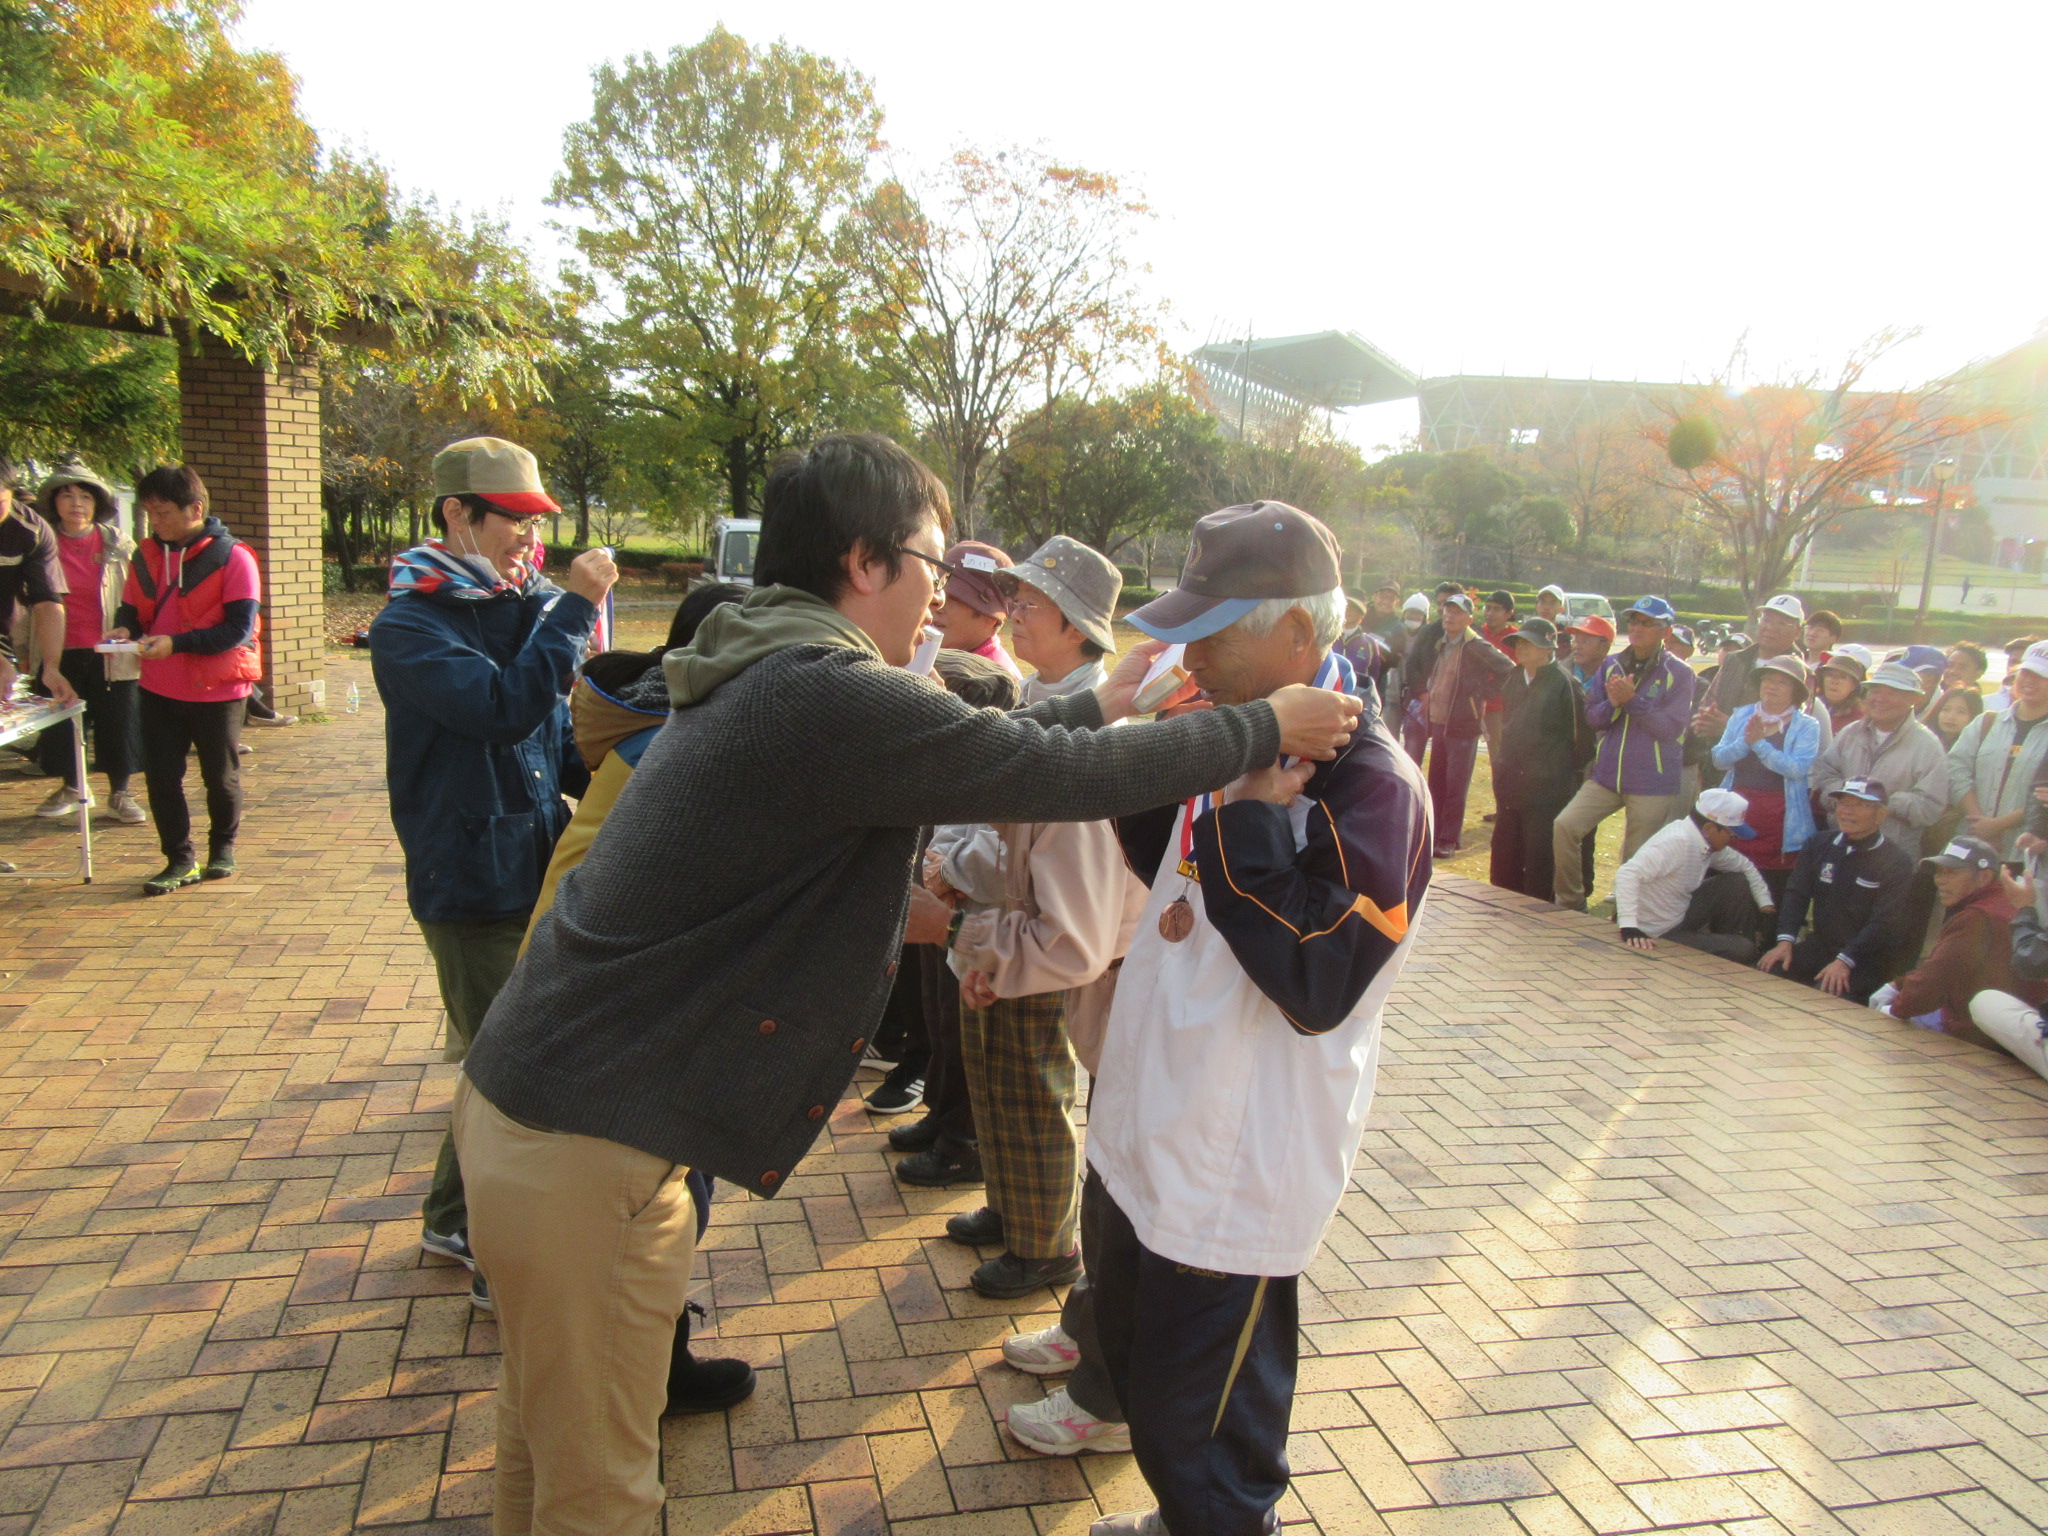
(1636,1243)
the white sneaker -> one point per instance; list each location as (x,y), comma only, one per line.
(64,802)
(1056,1427)
(1145,1524)
(126,809)
(1048,1352)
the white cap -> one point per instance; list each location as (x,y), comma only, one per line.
(1556,592)
(2036,659)
(1725,808)
(1860,654)
(1789,605)
(1416,601)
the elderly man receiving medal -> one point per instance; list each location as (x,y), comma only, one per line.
(1237,1068)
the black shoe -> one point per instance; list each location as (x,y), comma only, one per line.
(939,1167)
(916,1136)
(480,1293)
(703,1386)
(220,866)
(898,1093)
(172,877)
(1008,1277)
(983,1226)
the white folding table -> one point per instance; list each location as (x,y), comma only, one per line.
(24,717)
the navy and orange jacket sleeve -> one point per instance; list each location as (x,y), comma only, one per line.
(1314,928)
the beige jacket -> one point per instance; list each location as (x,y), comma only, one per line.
(1070,909)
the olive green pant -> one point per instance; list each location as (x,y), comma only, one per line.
(471,961)
(1020,1075)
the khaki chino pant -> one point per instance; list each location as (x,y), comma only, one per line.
(586,1246)
(1579,820)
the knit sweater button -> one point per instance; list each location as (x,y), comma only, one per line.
(767,1026)
(860,1045)
(817,1111)
(889,969)
(770,1178)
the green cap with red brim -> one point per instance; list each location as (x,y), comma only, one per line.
(501,473)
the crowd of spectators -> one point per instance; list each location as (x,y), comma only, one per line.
(1864,825)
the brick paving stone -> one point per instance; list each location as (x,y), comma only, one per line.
(1634,1243)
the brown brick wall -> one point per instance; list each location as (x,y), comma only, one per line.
(254,437)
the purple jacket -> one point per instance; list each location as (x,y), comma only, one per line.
(1640,748)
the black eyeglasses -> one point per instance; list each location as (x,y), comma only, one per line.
(941,572)
(519,524)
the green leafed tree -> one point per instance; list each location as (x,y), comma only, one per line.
(1107,472)
(712,189)
(1466,488)
(109,398)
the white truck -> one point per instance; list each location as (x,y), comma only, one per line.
(733,542)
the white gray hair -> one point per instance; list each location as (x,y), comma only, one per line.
(1325,611)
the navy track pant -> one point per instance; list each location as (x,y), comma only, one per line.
(1204,1365)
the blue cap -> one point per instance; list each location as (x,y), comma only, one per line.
(1653,608)
(1920,658)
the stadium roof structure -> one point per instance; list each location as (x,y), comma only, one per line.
(1330,369)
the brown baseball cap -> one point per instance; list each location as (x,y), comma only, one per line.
(1239,558)
(973,580)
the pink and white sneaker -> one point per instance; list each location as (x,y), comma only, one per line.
(1048,1352)
(1056,1427)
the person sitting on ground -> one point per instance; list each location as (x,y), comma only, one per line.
(962,865)
(972,616)
(1995,761)
(1854,887)
(1840,679)
(1639,705)
(1888,744)
(1766,754)
(2015,650)
(704,986)
(1688,885)
(1465,678)
(1546,743)
(1238,1066)
(1819,636)
(191,600)
(2011,1017)
(473,657)
(1953,712)
(94,552)
(1973,952)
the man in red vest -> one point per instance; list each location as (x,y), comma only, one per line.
(191,600)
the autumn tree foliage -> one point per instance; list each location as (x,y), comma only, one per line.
(1792,455)
(996,280)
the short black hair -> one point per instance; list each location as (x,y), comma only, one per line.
(1975,652)
(1502,600)
(476,506)
(1828,620)
(1448,586)
(176,483)
(696,608)
(846,490)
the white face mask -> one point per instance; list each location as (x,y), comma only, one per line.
(481,563)
(1412,622)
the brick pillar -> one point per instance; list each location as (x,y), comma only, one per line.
(253,435)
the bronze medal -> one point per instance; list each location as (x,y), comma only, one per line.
(1177,921)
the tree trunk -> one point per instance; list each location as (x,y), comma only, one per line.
(583,521)
(738,477)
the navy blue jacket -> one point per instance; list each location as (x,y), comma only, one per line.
(477,743)
(1312,927)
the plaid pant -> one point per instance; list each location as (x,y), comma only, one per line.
(1020,1077)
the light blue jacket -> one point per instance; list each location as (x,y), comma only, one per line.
(1792,763)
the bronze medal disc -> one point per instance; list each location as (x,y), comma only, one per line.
(1177,921)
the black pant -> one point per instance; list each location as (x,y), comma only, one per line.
(946,1103)
(1090,1386)
(111,714)
(901,1035)
(1722,919)
(1524,852)
(1810,957)
(172,728)
(1204,1365)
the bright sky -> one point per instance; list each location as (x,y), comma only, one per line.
(1615,189)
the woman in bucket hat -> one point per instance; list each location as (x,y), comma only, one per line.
(1766,753)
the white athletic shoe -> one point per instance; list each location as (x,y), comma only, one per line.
(1134,1524)
(1048,1352)
(1056,1427)
(126,809)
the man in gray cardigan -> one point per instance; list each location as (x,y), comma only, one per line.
(703,987)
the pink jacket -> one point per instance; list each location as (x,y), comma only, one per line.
(1070,909)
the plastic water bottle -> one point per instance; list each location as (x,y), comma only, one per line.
(355,699)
